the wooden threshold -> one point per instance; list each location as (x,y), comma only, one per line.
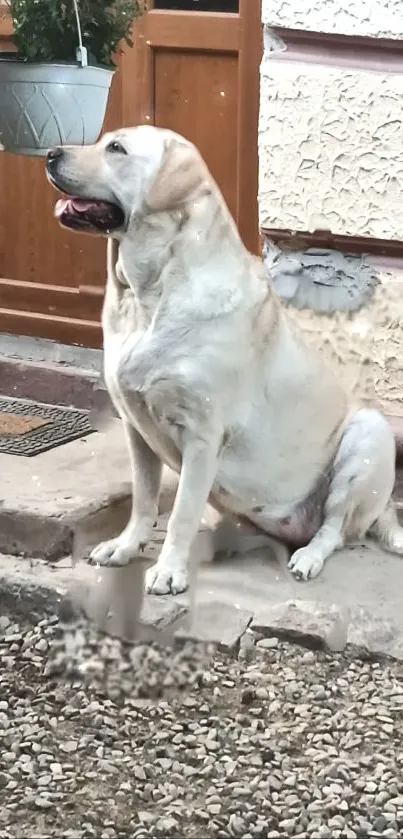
(292,240)
(337,41)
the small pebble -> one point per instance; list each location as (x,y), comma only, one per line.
(267,644)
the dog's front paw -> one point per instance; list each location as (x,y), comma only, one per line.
(166,579)
(305,565)
(114,553)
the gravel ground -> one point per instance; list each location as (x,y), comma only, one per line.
(282,742)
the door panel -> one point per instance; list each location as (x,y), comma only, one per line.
(196,95)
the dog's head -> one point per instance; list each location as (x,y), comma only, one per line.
(131,172)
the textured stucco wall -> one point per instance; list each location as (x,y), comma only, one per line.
(365,348)
(331,157)
(372,18)
(331,149)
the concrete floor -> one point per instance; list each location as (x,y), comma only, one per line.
(62,502)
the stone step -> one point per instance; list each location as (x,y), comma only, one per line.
(54,383)
(64,501)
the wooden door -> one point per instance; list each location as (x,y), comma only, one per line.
(199,73)
(196,72)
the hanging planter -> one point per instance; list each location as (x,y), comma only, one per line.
(54,91)
(45,105)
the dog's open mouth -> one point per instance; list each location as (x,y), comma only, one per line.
(89,214)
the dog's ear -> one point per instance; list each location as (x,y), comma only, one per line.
(183,177)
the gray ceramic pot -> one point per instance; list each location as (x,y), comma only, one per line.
(45,105)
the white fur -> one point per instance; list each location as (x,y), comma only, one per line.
(210,378)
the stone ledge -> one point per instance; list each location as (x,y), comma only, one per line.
(306,622)
(53,383)
(217,623)
(331,627)
(32,591)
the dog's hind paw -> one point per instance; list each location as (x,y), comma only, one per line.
(161,579)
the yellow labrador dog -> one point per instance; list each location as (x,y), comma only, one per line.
(207,373)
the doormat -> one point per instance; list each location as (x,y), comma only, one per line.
(30,428)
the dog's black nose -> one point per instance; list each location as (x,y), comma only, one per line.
(54,154)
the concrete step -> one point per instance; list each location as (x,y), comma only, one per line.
(66,500)
(54,383)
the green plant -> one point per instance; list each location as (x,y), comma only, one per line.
(46,30)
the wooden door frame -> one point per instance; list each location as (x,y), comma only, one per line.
(250,56)
(238,34)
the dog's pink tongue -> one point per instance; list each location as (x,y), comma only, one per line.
(77,205)
(81,206)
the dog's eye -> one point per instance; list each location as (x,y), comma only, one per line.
(116,147)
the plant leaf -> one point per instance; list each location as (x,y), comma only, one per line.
(46,30)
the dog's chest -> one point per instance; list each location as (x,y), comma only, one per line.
(126,370)
(144,390)
(127,362)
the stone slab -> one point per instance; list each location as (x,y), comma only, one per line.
(370,630)
(306,622)
(114,599)
(219,623)
(335,628)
